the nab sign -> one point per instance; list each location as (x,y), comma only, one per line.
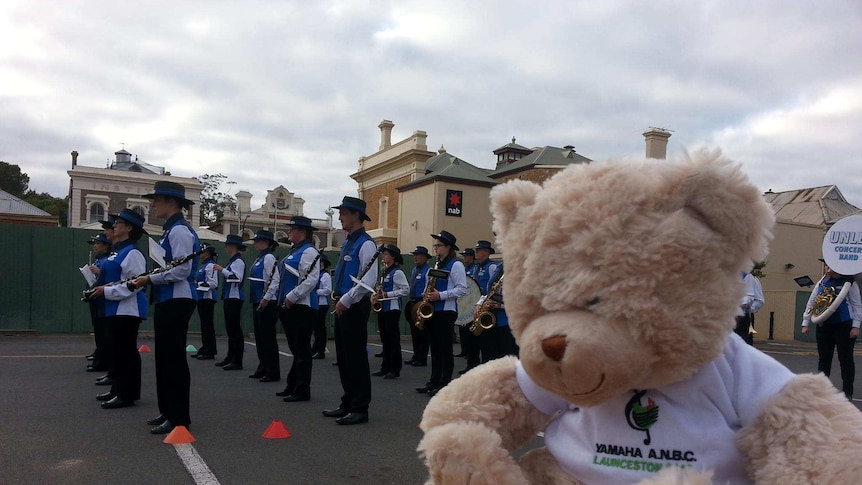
(454,201)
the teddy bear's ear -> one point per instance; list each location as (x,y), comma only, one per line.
(510,198)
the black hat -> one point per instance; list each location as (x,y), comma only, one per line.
(446,238)
(395,252)
(353,203)
(264,235)
(421,250)
(301,221)
(482,244)
(326,262)
(165,188)
(236,241)
(109,222)
(99,238)
(132,217)
(468,252)
(210,249)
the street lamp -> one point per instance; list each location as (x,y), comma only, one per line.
(329,212)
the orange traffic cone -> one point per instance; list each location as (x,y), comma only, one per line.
(180,434)
(276,431)
(144,349)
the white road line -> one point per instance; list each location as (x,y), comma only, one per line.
(195,465)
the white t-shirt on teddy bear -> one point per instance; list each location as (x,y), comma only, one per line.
(690,424)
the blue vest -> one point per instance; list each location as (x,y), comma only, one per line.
(225,289)
(288,281)
(166,292)
(389,285)
(257,287)
(348,261)
(500,313)
(418,281)
(442,284)
(842,314)
(201,277)
(471,270)
(113,271)
(483,275)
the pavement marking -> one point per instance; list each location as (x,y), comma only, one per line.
(195,465)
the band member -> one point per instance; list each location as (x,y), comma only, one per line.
(101,356)
(393,287)
(174,296)
(299,274)
(233,298)
(358,259)
(470,268)
(264,291)
(839,331)
(207,281)
(324,293)
(498,341)
(484,269)
(124,309)
(751,302)
(444,295)
(418,278)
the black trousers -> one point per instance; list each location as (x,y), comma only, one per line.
(832,337)
(390,337)
(743,322)
(104,347)
(127,360)
(418,337)
(298,324)
(440,327)
(351,340)
(171,325)
(497,342)
(206,311)
(233,326)
(266,340)
(470,346)
(319,346)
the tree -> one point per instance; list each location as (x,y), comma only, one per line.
(214,200)
(50,204)
(12,180)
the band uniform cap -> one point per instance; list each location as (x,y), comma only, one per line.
(99,238)
(354,203)
(211,250)
(421,250)
(165,188)
(264,235)
(109,222)
(326,262)
(446,238)
(483,244)
(132,218)
(236,241)
(395,251)
(301,221)
(468,252)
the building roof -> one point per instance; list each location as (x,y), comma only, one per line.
(544,156)
(449,167)
(138,166)
(816,205)
(9,204)
(512,147)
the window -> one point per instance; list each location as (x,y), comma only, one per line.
(97,212)
(383,213)
(140,210)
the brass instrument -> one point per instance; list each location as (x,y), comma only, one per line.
(823,301)
(486,319)
(424,310)
(377,306)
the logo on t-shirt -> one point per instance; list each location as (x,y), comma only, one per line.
(641,417)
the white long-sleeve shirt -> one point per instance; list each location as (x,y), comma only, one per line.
(753,298)
(357,292)
(854,304)
(324,289)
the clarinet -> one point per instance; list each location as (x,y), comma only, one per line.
(128,282)
(361,275)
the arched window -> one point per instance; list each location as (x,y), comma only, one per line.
(140,210)
(97,212)
(383,214)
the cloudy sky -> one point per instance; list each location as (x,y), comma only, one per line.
(291,92)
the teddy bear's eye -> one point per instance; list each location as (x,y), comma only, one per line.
(593,302)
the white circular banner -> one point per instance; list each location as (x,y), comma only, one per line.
(842,246)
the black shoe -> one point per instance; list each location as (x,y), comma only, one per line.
(222,363)
(256,375)
(105,382)
(91,357)
(408,362)
(117,403)
(425,388)
(96,368)
(319,355)
(205,357)
(335,363)
(102,377)
(420,364)
(379,354)
(161,418)
(233,366)
(285,392)
(270,379)
(391,375)
(338,412)
(433,392)
(353,418)
(464,370)
(164,428)
(379,373)
(462,354)
(194,356)
(105,396)
(297,398)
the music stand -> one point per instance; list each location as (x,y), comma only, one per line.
(804,281)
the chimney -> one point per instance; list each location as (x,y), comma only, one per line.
(385,134)
(74,158)
(656,142)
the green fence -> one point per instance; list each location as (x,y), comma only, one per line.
(40,285)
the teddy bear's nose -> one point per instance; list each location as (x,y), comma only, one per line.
(554,347)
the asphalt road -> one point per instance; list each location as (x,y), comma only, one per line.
(53,431)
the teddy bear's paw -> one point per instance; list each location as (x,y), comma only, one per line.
(468,453)
(678,476)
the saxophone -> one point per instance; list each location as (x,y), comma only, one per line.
(424,309)
(486,319)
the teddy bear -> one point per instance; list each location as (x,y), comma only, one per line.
(623,280)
